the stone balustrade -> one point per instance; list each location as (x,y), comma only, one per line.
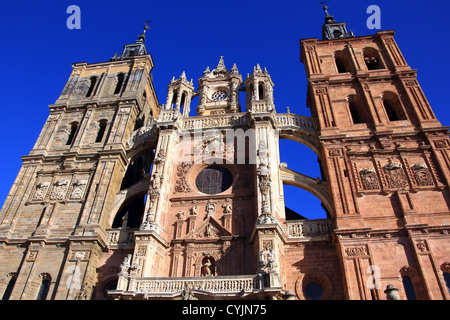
(120,236)
(230,120)
(290,119)
(220,284)
(309,228)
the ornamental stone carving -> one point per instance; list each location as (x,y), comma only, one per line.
(356,251)
(369,178)
(422,175)
(395,175)
(181,184)
(40,191)
(210,208)
(59,189)
(78,189)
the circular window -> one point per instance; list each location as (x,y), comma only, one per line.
(214,180)
(313,291)
(219,96)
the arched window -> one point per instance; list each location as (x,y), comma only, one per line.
(393,107)
(140,166)
(372,59)
(10,286)
(108,285)
(260,92)
(101,130)
(342,61)
(183,99)
(91,86)
(73,132)
(409,288)
(357,109)
(174,100)
(120,80)
(44,287)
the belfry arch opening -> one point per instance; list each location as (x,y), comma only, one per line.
(393,106)
(372,59)
(343,61)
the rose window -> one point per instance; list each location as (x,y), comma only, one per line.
(219,96)
(214,180)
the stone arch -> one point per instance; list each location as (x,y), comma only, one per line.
(146,142)
(138,166)
(317,187)
(127,196)
(302,137)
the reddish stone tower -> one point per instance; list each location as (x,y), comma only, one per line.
(386,161)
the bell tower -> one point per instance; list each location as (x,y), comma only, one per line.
(386,160)
(62,201)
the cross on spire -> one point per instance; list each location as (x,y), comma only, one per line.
(325,8)
(142,36)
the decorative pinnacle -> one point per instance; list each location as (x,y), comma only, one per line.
(221,64)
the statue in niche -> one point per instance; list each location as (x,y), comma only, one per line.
(208,267)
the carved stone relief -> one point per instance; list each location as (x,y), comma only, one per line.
(59,189)
(79,187)
(422,175)
(395,175)
(369,178)
(40,191)
(181,184)
(356,251)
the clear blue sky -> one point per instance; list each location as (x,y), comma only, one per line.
(38,50)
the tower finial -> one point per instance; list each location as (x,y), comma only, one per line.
(142,36)
(325,8)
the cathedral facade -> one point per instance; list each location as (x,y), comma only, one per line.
(126,198)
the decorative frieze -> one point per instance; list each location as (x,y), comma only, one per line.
(357,251)
(441,144)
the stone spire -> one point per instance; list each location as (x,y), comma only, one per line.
(220,69)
